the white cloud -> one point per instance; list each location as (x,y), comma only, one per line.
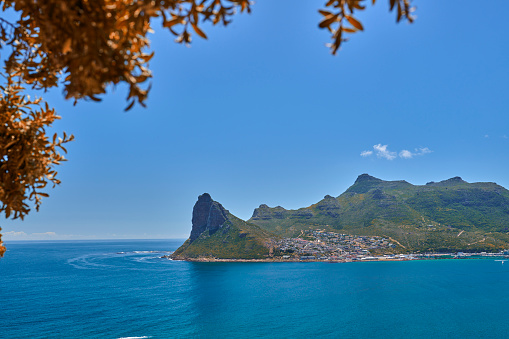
(382,151)
(23,236)
(50,234)
(20,235)
(405,154)
(14,234)
(423,150)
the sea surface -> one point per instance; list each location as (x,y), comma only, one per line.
(122,289)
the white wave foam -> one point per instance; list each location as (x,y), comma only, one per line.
(88,262)
(144,252)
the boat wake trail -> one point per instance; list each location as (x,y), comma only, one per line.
(120,260)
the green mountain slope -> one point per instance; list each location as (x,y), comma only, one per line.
(448,215)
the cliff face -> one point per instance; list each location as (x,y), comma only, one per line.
(208,215)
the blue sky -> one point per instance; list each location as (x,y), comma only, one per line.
(261,112)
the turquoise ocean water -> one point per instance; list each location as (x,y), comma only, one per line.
(90,289)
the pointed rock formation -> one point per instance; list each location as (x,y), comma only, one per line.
(366,178)
(208,215)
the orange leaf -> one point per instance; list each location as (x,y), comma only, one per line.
(349,30)
(328,20)
(324,13)
(199,31)
(354,22)
(67,46)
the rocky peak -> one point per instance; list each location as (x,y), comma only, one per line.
(264,212)
(329,205)
(208,215)
(366,178)
(448,182)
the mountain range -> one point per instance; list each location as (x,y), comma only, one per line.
(445,216)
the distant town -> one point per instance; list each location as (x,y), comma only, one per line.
(319,245)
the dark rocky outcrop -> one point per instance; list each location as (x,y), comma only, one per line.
(264,212)
(208,215)
(329,205)
(449,182)
(366,182)
(302,213)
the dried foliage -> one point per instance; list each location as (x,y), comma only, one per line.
(339,19)
(92,44)
(2,248)
(28,156)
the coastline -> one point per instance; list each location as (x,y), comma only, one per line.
(337,261)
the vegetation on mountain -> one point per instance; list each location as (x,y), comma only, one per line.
(449,215)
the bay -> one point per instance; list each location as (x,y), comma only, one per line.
(122,288)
